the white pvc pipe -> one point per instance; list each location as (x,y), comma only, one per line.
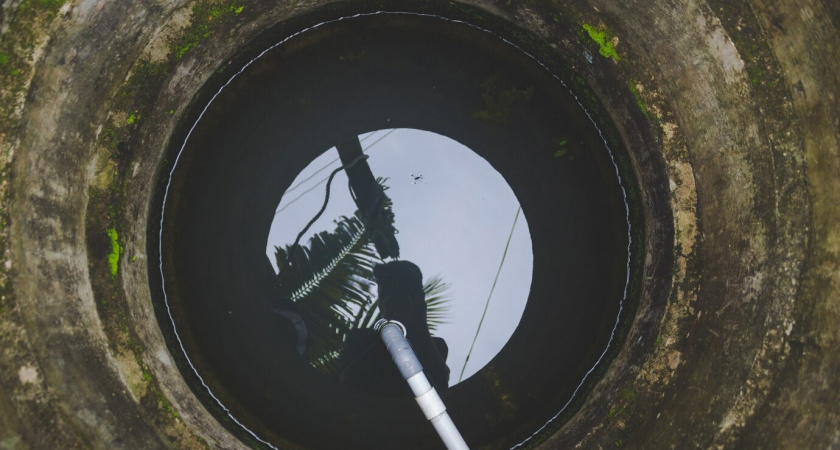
(393,335)
(448,433)
(435,412)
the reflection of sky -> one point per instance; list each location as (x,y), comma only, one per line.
(454,214)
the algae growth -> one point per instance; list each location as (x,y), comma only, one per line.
(116,251)
(635,91)
(607,49)
(203,13)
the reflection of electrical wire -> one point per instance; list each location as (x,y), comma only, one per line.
(325,179)
(321,211)
(326,166)
(502,263)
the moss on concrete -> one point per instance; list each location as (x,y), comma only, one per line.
(769,91)
(634,89)
(205,14)
(604,40)
(116,251)
(119,142)
(27,404)
(24,36)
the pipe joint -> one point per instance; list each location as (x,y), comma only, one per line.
(393,336)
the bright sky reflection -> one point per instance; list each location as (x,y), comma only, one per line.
(454,214)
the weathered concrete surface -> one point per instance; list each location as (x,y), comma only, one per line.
(742,107)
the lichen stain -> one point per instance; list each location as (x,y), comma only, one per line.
(534,21)
(724,50)
(28,374)
(132,374)
(660,368)
(674,359)
(158,48)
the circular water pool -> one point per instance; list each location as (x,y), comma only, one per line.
(345,79)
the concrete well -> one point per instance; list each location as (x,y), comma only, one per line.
(729,115)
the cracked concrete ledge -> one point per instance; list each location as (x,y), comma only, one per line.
(735,340)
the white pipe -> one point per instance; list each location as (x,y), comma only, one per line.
(393,335)
(448,433)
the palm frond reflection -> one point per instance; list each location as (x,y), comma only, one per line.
(330,281)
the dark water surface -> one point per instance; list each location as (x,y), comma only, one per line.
(348,79)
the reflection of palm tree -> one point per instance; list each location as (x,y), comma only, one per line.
(331,283)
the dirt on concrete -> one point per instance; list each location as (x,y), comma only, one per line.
(730,115)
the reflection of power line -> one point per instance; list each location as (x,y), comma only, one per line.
(325,179)
(299,183)
(502,263)
(369,135)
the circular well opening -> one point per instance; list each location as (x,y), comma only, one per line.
(354,77)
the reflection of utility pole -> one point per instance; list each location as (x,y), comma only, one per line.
(378,218)
(371,200)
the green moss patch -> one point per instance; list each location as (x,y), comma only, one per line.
(604,41)
(16,47)
(116,251)
(635,91)
(204,14)
(624,406)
